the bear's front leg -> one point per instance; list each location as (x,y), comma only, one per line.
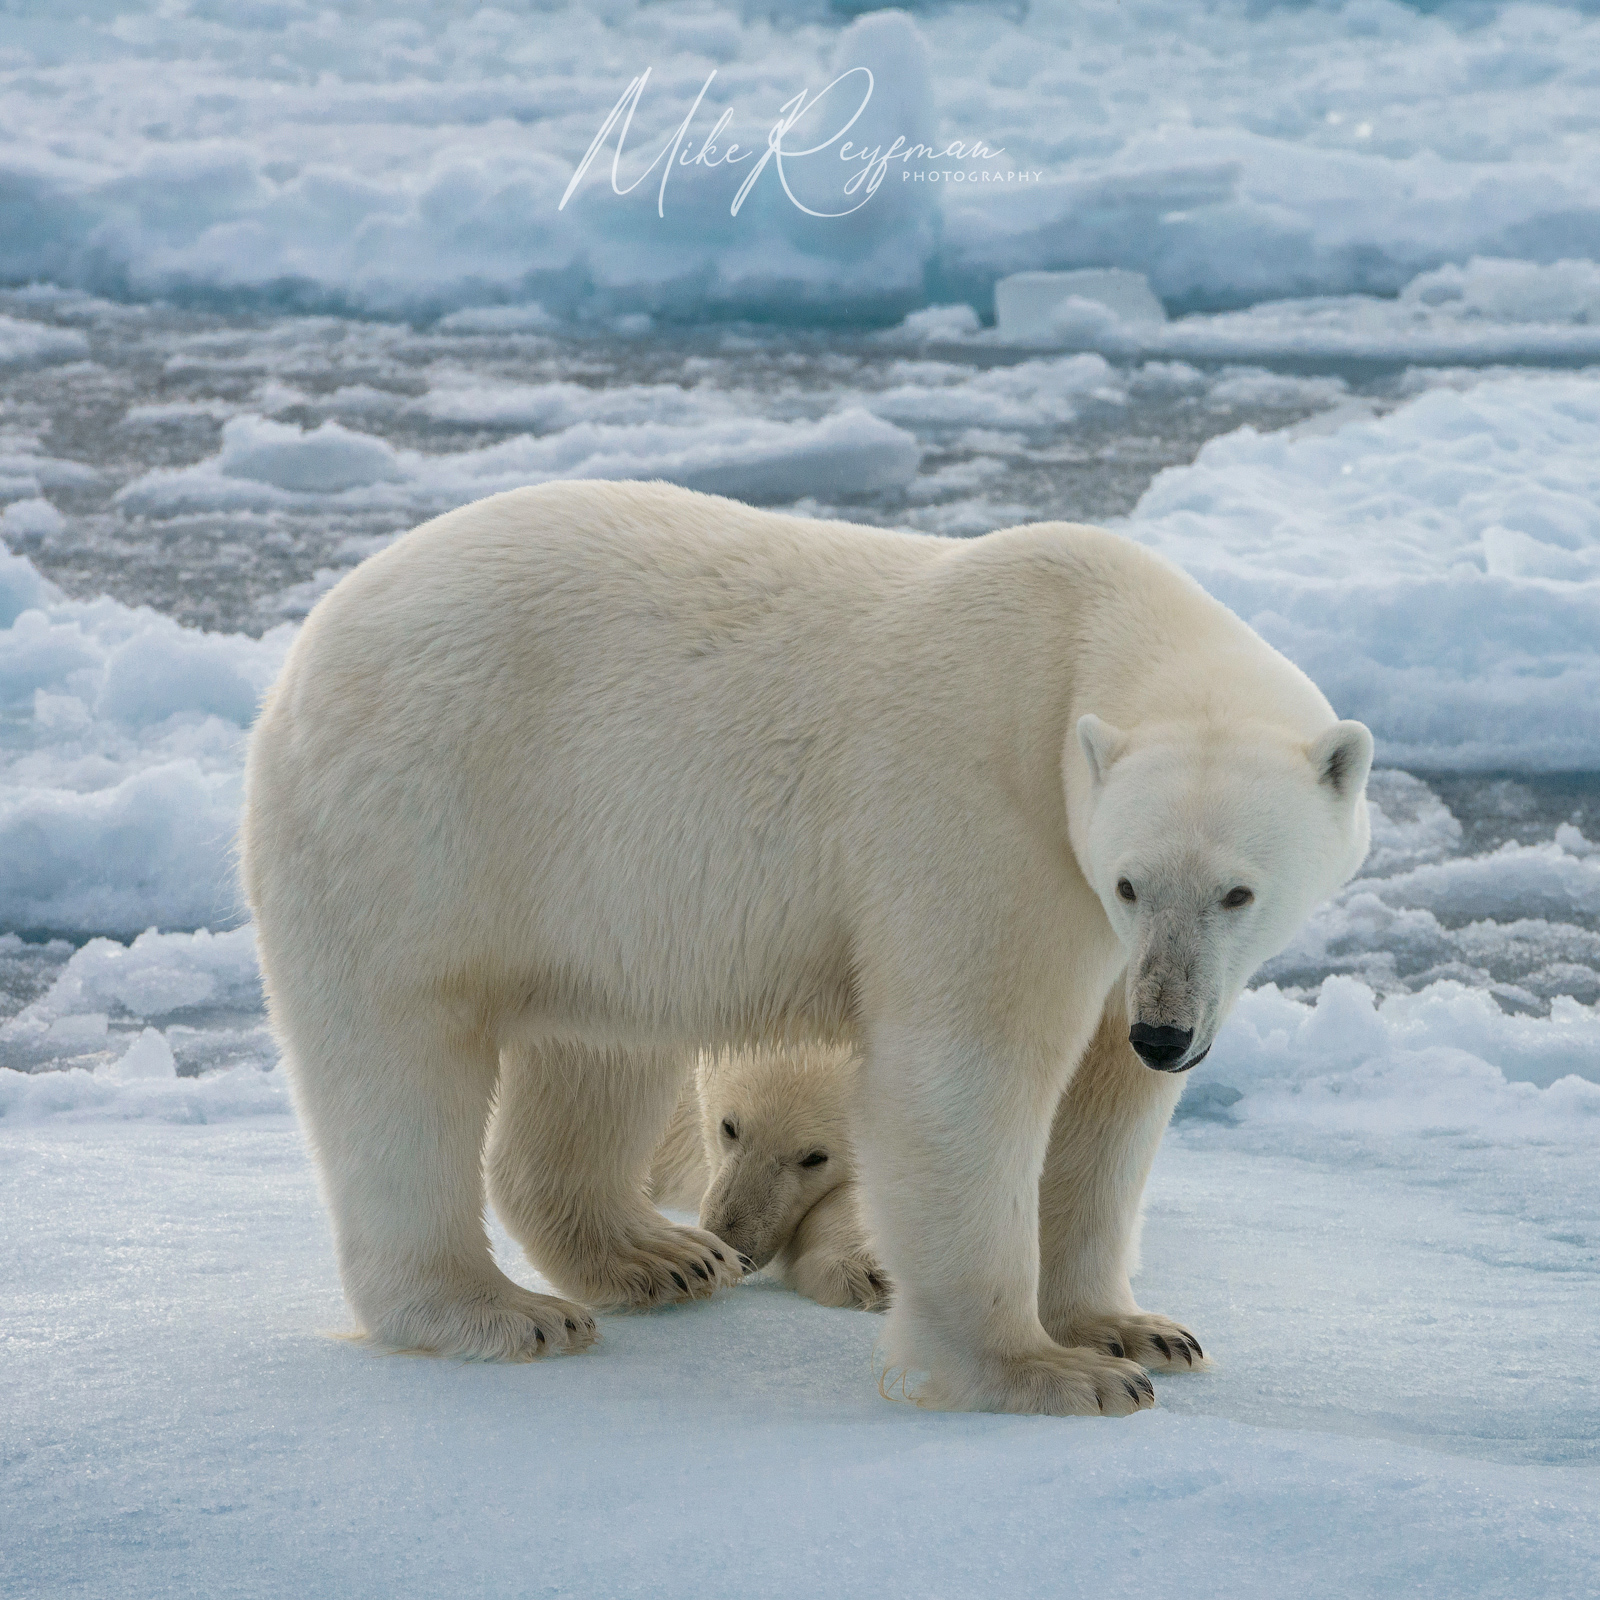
(1103,1141)
(952,1140)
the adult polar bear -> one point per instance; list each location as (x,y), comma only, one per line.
(571,782)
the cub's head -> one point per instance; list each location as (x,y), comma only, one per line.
(776,1128)
(1208,848)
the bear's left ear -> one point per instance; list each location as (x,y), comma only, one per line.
(1101,744)
(1342,758)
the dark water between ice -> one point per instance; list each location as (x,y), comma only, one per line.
(158,384)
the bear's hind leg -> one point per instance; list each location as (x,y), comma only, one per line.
(1103,1141)
(570,1143)
(395,1109)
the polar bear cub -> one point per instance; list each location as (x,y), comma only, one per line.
(760,1145)
(570,785)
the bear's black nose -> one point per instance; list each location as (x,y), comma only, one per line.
(1161,1048)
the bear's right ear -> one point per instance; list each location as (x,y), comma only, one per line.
(1101,744)
(1342,758)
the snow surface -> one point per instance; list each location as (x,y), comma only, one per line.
(1389,1250)
(1232,152)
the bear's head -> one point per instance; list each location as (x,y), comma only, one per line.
(776,1127)
(1208,847)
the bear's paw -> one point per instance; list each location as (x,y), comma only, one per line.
(852,1278)
(1142,1336)
(652,1263)
(501,1322)
(1053,1383)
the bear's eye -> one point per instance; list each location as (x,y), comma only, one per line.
(815,1159)
(1235,898)
(729,1130)
(1125,891)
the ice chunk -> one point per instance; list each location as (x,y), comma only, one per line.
(120,760)
(149,1056)
(1410,1051)
(156,843)
(122,741)
(751,458)
(1030,395)
(1073,307)
(1526,879)
(23,522)
(1436,571)
(202,989)
(150,1091)
(26,472)
(159,975)
(1499,290)
(1489,310)
(322,461)
(530,318)
(1410,824)
(934,325)
(30,344)
(166,670)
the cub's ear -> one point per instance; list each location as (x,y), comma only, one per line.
(1101,744)
(1342,758)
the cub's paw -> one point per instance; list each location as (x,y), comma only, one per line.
(657,1263)
(495,1322)
(1065,1383)
(867,1283)
(1141,1336)
(852,1279)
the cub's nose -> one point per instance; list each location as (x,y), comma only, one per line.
(1162,1048)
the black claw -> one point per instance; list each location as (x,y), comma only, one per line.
(1099,1402)
(1117,1350)
(572,1327)
(678,1279)
(1196,1343)
(538,1335)
(1188,1351)
(717,1254)
(699,1272)
(1162,1345)
(747,1263)
(1148,1387)
(1133,1394)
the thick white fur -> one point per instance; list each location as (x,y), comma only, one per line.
(760,1145)
(572,783)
